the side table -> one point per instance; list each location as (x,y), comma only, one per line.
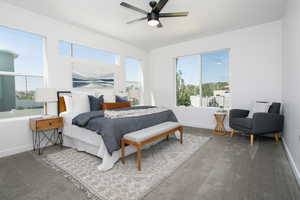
(40,127)
(220,128)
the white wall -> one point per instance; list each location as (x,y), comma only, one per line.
(255,69)
(15,135)
(291,74)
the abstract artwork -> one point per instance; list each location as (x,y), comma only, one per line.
(98,81)
(92,77)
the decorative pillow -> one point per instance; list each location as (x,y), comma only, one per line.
(96,103)
(120,99)
(260,106)
(110,106)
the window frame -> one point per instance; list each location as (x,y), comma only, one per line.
(25,75)
(175,59)
(141,78)
(72,44)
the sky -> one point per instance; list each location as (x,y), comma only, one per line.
(29,48)
(214,65)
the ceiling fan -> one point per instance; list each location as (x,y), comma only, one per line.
(153,16)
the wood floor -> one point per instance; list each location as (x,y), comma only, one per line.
(224,168)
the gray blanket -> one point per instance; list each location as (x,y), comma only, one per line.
(113,130)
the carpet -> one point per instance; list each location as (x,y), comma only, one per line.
(125,182)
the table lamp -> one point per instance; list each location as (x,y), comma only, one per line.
(45,95)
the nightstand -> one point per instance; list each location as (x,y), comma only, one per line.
(49,130)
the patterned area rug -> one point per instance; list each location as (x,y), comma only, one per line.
(125,182)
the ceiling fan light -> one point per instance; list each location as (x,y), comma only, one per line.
(153,22)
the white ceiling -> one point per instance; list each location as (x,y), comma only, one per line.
(206,17)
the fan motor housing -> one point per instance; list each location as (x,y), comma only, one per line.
(152,16)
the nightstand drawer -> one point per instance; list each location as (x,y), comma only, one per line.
(48,124)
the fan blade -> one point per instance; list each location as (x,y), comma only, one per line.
(175,14)
(159,25)
(136,20)
(126,5)
(160,5)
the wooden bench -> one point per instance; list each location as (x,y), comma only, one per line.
(148,135)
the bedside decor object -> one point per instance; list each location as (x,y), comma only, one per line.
(39,127)
(45,95)
(220,128)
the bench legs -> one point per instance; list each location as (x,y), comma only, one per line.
(181,134)
(123,151)
(138,157)
(139,145)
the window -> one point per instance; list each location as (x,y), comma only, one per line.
(133,80)
(86,53)
(21,72)
(203,80)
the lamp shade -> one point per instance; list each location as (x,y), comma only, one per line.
(45,95)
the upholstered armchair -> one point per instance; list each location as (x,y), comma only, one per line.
(259,124)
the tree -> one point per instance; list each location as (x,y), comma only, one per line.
(184,92)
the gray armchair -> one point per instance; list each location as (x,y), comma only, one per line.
(260,124)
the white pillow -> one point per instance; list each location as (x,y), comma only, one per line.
(109,98)
(260,106)
(80,103)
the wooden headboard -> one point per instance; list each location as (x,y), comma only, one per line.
(61,105)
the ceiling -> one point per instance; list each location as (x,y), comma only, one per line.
(206,17)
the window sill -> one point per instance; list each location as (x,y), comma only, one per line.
(3,120)
(213,109)
(191,107)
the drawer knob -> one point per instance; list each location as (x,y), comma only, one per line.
(50,124)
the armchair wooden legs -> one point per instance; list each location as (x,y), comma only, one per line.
(276,135)
(251,139)
(232,132)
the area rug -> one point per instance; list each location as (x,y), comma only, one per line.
(125,182)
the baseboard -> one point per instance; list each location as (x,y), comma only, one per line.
(194,125)
(15,150)
(292,162)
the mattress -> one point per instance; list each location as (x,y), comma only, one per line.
(84,135)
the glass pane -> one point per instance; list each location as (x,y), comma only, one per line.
(133,80)
(215,79)
(17,96)
(65,48)
(188,81)
(87,53)
(20,51)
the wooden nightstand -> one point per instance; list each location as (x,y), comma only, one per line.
(49,130)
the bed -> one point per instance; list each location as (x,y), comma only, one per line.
(95,141)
